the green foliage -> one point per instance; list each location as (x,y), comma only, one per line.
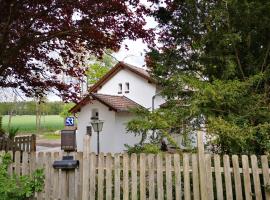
(12,132)
(145,148)
(153,125)
(14,187)
(2,132)
(65,111)
(29,108)
(99,67)
(214,70)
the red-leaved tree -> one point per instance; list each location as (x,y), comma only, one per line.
(43,40)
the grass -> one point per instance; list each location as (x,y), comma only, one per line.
(27,123)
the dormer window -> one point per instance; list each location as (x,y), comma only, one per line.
(127,88)
(120,88)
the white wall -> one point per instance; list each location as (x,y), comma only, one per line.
(140,90)
(106,136)
(121,136)
(113,136)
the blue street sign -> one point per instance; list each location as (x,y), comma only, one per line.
(69,121)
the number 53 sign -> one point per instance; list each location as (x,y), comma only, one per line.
(69,121)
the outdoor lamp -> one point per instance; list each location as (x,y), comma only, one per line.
(97,126)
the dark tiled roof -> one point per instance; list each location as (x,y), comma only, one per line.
(116,103)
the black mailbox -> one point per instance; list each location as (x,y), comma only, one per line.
(66,163)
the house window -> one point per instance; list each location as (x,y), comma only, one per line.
(94,114)
(127,88)
(120,88)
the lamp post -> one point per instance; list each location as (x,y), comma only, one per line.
(97,126)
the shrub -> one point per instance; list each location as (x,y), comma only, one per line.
(15,187)
(144,148)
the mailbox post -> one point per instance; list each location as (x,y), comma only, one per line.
(68,144)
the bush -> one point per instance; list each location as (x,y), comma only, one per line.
(14,187)
(144,148)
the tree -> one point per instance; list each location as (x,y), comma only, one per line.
(213,65)
(99,67)
(65,110)
(40,40)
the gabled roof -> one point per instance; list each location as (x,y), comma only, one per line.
(116,103)
(119,66)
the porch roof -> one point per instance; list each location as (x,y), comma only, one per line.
(113,102)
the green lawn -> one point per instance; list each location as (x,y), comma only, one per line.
(27,123)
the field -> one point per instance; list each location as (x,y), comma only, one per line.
(27,123)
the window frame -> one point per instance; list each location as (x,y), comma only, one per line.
(120,88)
(127,87)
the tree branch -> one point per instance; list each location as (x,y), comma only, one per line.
(239,62)
(265,57)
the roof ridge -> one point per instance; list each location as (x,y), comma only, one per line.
(130,65)
(105,94)
(119,66)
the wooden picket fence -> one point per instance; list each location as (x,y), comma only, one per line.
(162,176)
(147,176)
(19,143)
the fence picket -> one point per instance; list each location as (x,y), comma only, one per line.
(108,176)
(246,175)
(39,165)
(186,176)
(79,176)
(142,177)
(71,183)
(18,162)
(266,179)
(32,162)
(63,183)
(195,177)
(91,175)
(256,178)
(86,163)
(47,175)
(160,191)
(237,178)
(208,165)
(218,177)
(151,179)
(117,176)
(168,177)
(134,177)
(55,176)
(100,175)
(125,177)
(10,167)
(25,165)
(177,172)
(228,179)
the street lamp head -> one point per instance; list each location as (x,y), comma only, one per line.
(97,125)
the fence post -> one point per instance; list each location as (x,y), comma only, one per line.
(201,160)
(33,143)
(85,170)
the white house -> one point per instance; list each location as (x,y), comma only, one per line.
(123,87)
